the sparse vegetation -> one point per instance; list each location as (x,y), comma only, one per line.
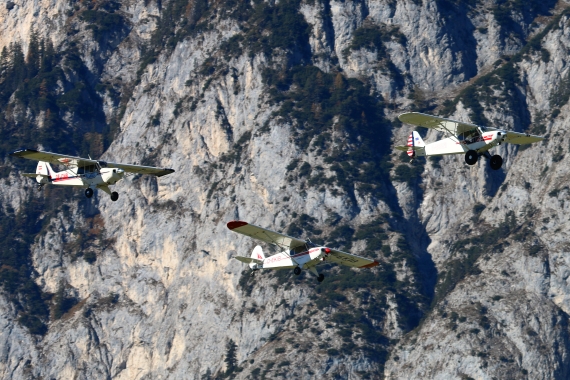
(470,250)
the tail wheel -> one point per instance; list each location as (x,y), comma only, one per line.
(297,271)
(471,157)
(321,277)
(496,162)
(88,192)
(114,196)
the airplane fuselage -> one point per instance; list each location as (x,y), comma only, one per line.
(107,176)
(454,145)
(287,259)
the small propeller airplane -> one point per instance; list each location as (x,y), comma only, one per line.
(297,255)
(461,138)
(82,172)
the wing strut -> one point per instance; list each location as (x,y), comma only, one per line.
(450,134)
(285,248)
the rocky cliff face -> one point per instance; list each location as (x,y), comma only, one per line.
(283,114)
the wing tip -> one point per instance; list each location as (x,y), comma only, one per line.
(19,152)
(375,263)
(165,171)
(236,224)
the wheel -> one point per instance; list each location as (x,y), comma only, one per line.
(88,192)
(471,157)
(297,271)
(252,274)
(321,277)
(496,162)
(114,196)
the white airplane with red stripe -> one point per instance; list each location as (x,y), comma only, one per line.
(82,172)
(471,140)
(297,255)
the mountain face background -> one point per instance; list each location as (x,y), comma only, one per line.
(284,114)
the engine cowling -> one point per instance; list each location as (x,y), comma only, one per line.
(112,176)
(495,137)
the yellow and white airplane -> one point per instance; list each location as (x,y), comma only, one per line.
(298,254)
(82,172)
(461,138)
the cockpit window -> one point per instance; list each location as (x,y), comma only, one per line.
(86,169)
(299,249)
(471,136)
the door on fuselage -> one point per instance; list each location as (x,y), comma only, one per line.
(301,253)
(88,171)
(472,138)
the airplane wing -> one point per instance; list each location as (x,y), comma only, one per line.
(140,169)
(72,161)
(350,260)
(53,158)
(441,124)
(522,138)
(262,234)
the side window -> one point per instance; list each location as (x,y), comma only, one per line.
(299,249)
(86,169)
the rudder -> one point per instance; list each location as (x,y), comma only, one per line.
(418,141)
(258,253)
(415,140)
(43,168)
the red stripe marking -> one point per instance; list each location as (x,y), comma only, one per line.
(62,179)
(236,224)
(305,253)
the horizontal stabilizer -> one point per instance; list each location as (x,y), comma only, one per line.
(248,260)
(34,175)
(406,148)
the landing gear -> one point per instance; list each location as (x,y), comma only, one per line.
(471,157)
(40,186)
(320,277)
(297,271)
(496,162)
(114,196)
(88,192)
(252,273)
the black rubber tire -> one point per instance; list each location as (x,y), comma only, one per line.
(114,196)
(496,162)
(251,274)
(297,271)
(471,157)
(320,277)
(88,192)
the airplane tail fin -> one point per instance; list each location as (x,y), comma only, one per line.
(44,168)
(258,253)
(50,170)
(415,140)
